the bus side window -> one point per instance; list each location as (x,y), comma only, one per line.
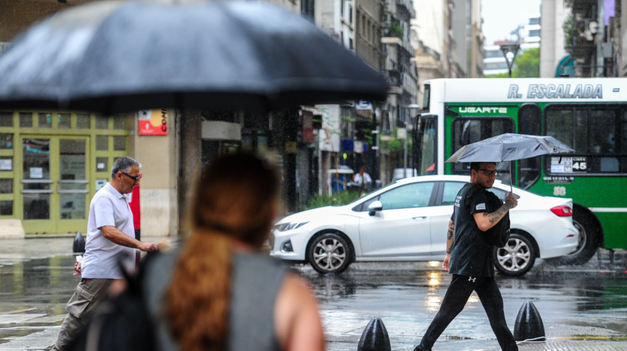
(529,122)
(468,130)
(595,132)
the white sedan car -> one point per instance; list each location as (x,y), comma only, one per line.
(407,221)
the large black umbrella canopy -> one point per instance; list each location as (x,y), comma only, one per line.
(509,147)
(111,56)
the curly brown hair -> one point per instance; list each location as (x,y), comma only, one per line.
(235,198)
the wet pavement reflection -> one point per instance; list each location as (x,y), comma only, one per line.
(572,301)
(586,301)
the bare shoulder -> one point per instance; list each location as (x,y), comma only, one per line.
(297,319)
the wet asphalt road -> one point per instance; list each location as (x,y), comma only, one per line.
(586,301)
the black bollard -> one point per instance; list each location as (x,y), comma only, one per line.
(79,243)
(529,324)
(375,337)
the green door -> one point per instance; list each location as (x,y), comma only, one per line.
(54,183)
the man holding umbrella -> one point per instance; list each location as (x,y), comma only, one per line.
(469,257)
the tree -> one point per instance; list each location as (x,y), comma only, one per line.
(527,65)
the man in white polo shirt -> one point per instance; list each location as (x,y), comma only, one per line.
(110,240)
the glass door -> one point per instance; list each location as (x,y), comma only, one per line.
(36,184)
(72,184)
(54,184)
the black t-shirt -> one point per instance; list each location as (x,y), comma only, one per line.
(471,253)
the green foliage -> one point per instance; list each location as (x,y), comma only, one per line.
(569,30)
(527,65)
(500,75)
(396,145)
(345,197)
(368,135)
(396,30)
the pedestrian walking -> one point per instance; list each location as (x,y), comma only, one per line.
(218,292)
(110,240)
(469,257)
(362,180)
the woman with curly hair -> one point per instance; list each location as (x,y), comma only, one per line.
(218,292)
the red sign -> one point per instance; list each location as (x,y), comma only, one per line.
(153,122)
(308,130)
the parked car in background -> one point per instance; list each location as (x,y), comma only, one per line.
(407,221)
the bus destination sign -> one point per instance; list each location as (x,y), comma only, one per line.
(557,91)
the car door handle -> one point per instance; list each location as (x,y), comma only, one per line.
(419,217)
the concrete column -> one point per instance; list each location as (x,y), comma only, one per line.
(157,154)
(189,136)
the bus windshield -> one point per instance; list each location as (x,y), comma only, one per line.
(425,146)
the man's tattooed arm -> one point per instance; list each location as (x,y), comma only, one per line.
(487,220)
(450,236)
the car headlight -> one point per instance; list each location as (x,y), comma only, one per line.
(283,227)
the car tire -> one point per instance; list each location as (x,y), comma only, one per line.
(329,253)
(589,236)
(516,257)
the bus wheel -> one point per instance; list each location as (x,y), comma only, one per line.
(516,257)
(589,236)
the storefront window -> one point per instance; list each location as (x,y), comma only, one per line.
(102,164)
(64,121)
(82,121)
(45,119)
(6,141)
(119,143)
(6,208)
(119,122)
(6,186)
(102,143)
(102,122)
(26,120)
(6,119)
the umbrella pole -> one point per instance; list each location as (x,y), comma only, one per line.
(511,178)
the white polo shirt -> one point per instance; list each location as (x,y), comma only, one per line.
(108,207)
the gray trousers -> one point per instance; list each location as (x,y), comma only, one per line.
(87,296)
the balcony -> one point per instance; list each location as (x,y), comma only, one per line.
(585,7)
(407,5)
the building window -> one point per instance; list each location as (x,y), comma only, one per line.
(534,33)
(64,121)
(6,186)
(45,119)
(6,208)
(102,122)
(6,141)
(102,143)
(6,119)
(119,143)
(82,121)
(26,120)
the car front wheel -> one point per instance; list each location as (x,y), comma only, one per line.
(329,253)
(516,257)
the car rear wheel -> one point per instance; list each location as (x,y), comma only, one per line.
(329,253)
(516,257)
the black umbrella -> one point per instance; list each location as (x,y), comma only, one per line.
(111,56)
(509,147)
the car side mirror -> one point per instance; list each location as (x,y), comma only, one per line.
(374,207)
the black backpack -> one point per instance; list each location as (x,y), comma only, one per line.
(121,323)
(499,234)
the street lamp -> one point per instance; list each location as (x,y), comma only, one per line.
(510,51)
(413,109)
